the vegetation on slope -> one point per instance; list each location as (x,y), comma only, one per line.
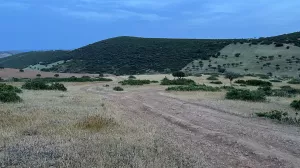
(26,59)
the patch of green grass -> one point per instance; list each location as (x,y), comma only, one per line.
(95,123)
(194,88)
(245,95)
(118,88)
(135,82)
(181,81)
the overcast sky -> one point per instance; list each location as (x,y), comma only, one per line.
(68,24)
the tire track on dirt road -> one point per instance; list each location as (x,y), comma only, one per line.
(228,140)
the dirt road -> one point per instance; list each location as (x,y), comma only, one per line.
(216,137)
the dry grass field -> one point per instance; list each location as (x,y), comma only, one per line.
(144,126)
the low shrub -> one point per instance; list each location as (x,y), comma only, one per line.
(294,81)
(118,88)
(7,97)
(280,116)
(275,81)
(275,114)
(181,81)
(41,85)
(216,82)
(285,91)
(74,79)
(227,87)
(8,88)
(212,78)
(295,104)
(240,81)
(246,95)
(154,81)
(135,82)
(254,82)
(57,86)
(131,77)
(267,90)
(194,88)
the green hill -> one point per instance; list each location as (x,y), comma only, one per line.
(133,55)
(26,59)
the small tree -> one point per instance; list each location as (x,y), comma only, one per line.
(38,75)
(56,75)
(21,70)
(231,76)
(179,74)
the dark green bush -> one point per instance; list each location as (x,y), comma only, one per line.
(131,77)
(194,88)
(267,90)
(57,86)
(275,81)
(6,97)
(154,81)
(294,81)
(254,82)
(181,81)
(41,85)
(275,114)
(296,104)
(216,82)
(240,81)
(212,78)
(118,88)
(73,79)
(135,82)
(8,88)
(246,95)
(285,91)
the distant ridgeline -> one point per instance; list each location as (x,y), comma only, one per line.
(133,55)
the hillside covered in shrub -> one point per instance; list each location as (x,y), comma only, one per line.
(134,55)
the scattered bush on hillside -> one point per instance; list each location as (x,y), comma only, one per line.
(295,104)
(154,81)
(56,75)
(245,95)
(216,82)
(194,88)
(38,75)
(278,45)
(41,85)
(118,88)
(181,81)
(135,82)
(21,70)
(294,81)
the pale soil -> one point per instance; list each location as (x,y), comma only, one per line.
(10,73)
(154,129)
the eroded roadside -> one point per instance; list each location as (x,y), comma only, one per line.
(216,137)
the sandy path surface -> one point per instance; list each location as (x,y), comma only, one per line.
(216,137)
